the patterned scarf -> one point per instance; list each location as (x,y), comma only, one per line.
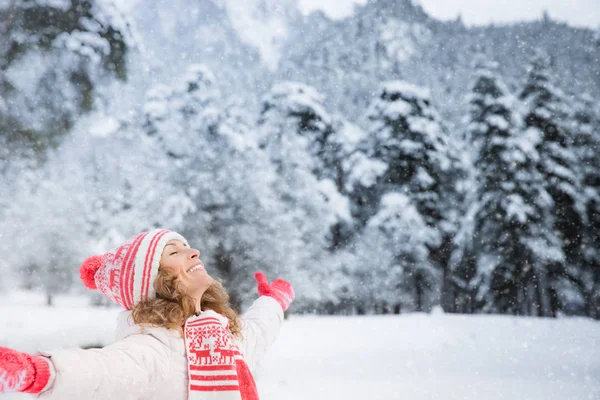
(216,367)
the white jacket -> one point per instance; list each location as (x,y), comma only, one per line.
(149,364)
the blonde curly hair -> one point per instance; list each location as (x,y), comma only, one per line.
(172,307)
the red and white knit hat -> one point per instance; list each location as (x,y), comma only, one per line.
(126,273)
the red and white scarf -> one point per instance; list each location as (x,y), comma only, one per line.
(216,367)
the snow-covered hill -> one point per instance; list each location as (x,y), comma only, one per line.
(253,43)
(414,356)
(262,24)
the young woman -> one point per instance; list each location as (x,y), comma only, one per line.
(178,338)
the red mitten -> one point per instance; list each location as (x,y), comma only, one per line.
(20,372)
(280,290)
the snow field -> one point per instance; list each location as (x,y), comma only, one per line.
(412,356)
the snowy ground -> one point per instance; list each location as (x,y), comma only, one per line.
(412,357)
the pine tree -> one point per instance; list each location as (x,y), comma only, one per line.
(512,239)
(406,137)
(211,151)
(303,107)
(299,107)
(294,132)
(586,132)
(394,257)
(73,49)
(406,134)
(545,115)
(46,228)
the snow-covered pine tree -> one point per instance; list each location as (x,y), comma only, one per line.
(303,106)
(213,159)
(545,115)
(406,136)
(586,274)
(396,273)
(45,233)
(295,131)
(404,133)
(300,108)
(329,140)
(512,240)
(54,57)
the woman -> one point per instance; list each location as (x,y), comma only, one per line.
(178,338)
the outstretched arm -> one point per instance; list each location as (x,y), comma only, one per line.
(134,365)
(262,321)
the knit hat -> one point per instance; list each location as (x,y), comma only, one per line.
(126,273)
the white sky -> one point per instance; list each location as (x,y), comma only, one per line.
(477,12)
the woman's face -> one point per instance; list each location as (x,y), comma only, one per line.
(184,263)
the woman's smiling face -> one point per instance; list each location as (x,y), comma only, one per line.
(184,263)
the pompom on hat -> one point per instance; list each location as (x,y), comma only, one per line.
(126,273)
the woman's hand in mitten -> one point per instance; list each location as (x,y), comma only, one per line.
(21,372)
(280,290)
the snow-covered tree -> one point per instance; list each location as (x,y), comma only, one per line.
(512,241)
(303,106)
(45,234)
(101,186)
(290,125)
(394,272)
(405,132)
(213,159)
(315,206)
(405,136)
(53,57)
(56,58)
(329,141)
(545,116)
(585,126)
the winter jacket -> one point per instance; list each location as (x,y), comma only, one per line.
(150,363)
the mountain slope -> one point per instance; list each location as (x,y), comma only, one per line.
(396,39)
